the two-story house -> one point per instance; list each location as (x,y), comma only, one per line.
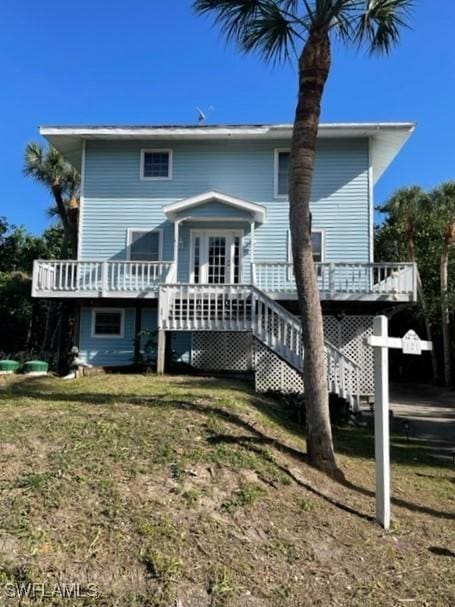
(186,229)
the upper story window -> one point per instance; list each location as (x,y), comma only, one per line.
(317,242)
(144,245)
(156,164)
(107,322)
(281,186)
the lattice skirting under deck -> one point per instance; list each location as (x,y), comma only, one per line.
(222,351)
(234,351)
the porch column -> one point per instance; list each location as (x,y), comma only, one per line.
(253,247)
(176,245)
(161,354)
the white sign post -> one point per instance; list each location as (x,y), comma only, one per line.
(381,342)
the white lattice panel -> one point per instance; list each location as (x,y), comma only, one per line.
(222,351)
(273,374)
(347,334)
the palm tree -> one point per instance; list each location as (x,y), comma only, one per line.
(443,199)
(279,30)
(51,169)
(407,209)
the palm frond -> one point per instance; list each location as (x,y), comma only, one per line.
(380,22)
(266,26)
(271,34)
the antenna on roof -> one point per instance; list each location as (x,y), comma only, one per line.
(201,116)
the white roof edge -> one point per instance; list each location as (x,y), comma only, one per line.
(241,131)
(257,210)
(386,138)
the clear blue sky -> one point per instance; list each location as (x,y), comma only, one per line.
(146,61)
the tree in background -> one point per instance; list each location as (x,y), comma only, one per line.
(48,167)
(432,244)
(443,209)
(51,169)
(407,210)
(304,29)
(22,320)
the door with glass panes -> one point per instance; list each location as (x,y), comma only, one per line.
(216,256)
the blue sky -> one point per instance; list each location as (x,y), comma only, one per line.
(146,61)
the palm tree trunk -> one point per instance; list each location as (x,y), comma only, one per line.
(314,67)
(61,208)
(423,302)
(445,314)
(421,297)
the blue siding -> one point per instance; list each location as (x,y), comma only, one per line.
(111,351)
(115,197)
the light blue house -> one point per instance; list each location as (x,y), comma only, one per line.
(186,229)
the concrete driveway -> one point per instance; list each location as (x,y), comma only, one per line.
(430,414)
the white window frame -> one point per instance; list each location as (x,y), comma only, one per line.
(290,258)
(158,151)
(277,153)
(110,335)
(129,235)
(205,232)
(313,231)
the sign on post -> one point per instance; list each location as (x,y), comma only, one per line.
(381,342)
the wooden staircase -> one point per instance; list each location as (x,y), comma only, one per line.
(246,308)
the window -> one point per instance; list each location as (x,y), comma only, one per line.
(107,322)
(317,241)
(156,164)
(281,173)
(144,245)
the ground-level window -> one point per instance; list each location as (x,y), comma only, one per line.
(107,322)
(281,173)
(156,164)
(144,245)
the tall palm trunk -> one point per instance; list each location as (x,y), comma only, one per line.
(423,302)
(314,66)
(445,313)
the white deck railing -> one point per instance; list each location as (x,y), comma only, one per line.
(391,281)
(394,280)
(189,307)
(97,278)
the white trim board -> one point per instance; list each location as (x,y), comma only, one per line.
(257,210)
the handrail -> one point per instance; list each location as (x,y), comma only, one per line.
(209,307)
(388,278)
(98,277)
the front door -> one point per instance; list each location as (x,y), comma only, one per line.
(216,256)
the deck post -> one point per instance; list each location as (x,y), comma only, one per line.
(104,278)
(161,354)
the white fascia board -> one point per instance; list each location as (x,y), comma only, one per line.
(353,129)
(387,138)
(257,210)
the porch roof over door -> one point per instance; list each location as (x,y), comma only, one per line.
(188,208)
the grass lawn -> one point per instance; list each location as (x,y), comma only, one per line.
(195,491)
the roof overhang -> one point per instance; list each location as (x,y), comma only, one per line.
(387,138)
(257,211)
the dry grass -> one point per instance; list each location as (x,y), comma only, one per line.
(192,491)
